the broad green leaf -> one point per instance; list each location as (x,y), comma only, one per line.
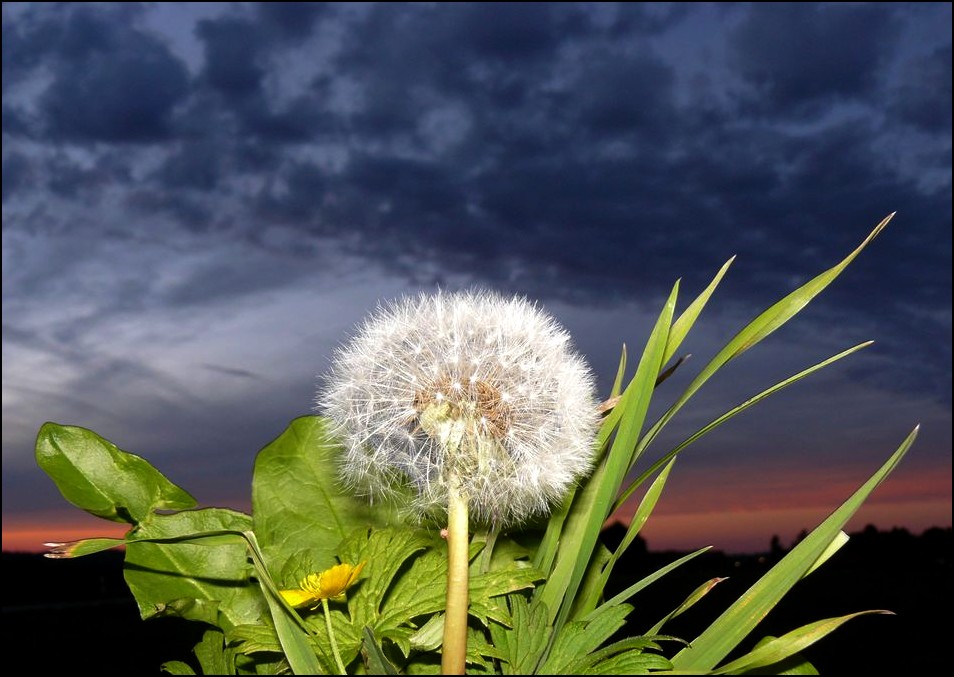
(177,668)
(724,634)
(161,573)
(300,513)
(591,506)
(102,479)
(780,648)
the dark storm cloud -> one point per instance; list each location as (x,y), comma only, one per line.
(111,81)
(801,56)
(551,149)
(923,98)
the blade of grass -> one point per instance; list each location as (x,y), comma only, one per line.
(759,328)
(790,643)
(682,325)
(639,518)
(694,597)
(645,582)
(591,506)
(736,622)
(729,414)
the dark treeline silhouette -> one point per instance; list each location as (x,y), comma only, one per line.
(79,615)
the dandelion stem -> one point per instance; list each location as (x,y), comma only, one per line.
(331,635)
(454,652)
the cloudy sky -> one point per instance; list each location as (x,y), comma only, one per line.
(200,200)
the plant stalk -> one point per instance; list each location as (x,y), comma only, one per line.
(331,636)
(454,652)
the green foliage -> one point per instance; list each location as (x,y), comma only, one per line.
(537,596)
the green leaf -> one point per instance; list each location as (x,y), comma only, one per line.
(212,655)
(377,662)
(682,325)
(160,574)
(385,551)
(86,546)
(300,514)
(577,639)
(301,653)
(639,518)
(648,580)
(591,506)
(776,650)
(177,668)
(744,614)
(627,656)
(523,644)
(712,425)
(102,479)
(694,597)
(759,328)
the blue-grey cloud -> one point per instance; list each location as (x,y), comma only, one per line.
(587,155)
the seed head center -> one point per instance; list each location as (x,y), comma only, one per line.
(471,403)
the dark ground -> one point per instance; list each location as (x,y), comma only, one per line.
(78,615)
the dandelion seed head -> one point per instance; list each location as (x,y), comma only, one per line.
(473,386)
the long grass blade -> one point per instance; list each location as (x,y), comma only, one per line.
(709,427)
(592,505)
(790,643)
(759,328)
(736,622)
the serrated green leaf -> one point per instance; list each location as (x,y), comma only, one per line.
(579,638)
(249,639)
(611,657)
(630,663)
(385,551)
(159,574)
(524,644)
(300,512)
(97,476)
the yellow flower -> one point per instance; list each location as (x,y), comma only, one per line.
(329,584)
